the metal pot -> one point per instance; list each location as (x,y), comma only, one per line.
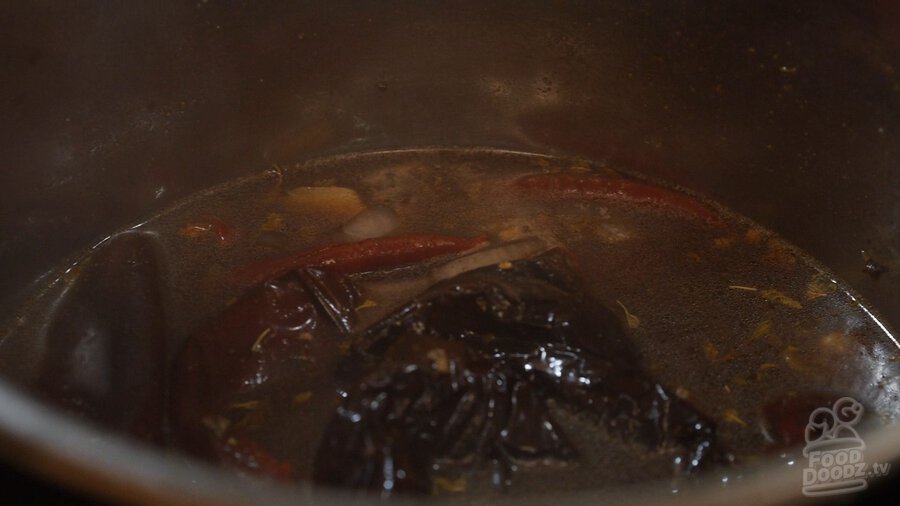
(785,112)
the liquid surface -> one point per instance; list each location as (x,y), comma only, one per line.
(723,315)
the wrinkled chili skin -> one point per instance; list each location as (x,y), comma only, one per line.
(589,186)
(464,373)
(362,256)
(241,354)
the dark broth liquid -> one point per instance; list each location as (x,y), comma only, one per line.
(728,317)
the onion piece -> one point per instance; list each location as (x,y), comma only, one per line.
(506,252)
(334,200)
(371,223)
(403,289)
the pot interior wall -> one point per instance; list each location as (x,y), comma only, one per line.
(786,112)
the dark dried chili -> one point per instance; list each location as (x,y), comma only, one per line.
(464,373)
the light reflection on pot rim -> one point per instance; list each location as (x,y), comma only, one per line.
(111,466)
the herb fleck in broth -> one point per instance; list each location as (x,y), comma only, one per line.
(725,316)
